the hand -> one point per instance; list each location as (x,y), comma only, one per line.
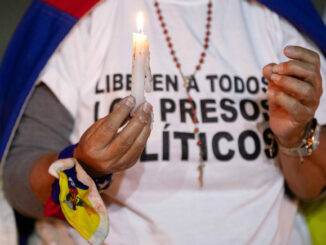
(294,91)
(104,150)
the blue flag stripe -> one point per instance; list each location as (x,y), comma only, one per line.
(36,38)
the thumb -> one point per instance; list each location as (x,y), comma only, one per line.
(268,71)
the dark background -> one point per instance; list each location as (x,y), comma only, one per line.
(11,11)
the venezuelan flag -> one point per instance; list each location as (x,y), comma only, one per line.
(75,198)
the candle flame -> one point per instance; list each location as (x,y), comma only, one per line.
(140,22)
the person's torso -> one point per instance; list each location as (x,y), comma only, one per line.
(159,200)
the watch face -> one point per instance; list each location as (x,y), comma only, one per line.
(309,142)
(313,139)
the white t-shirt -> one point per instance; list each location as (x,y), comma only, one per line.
(159,200)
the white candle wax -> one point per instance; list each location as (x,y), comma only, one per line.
(141,75)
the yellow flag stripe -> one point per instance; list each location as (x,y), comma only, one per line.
(84,219)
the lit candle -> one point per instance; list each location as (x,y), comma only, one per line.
(141,73)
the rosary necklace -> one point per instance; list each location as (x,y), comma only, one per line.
(187,79)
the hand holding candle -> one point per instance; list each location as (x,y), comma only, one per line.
(141,73)
(113,150)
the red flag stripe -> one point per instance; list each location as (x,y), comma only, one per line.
(76,8)
(53,210)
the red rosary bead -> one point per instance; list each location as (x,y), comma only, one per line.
(198,66)
(168,39)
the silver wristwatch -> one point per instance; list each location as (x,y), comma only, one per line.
(308,143)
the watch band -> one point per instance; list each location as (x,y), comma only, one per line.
(308,143)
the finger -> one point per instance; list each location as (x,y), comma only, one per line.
(305,71)
(268,70)
(115,107)
(127,137)
(297,89)
(93,128)
(295,109)
(135,151)
(104,134)
(302,54)
(90,131)
(117,104)
(98,123)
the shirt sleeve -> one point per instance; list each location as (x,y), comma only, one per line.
(65,71)
(48,119)
(289,35)
(41,131)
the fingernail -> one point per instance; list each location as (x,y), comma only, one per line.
(145,112)
(275,77)
(129,101)
(278,69)
(289,50)
(270,92)
(147,107)
(275,69)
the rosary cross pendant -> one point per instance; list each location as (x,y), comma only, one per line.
(187,81)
